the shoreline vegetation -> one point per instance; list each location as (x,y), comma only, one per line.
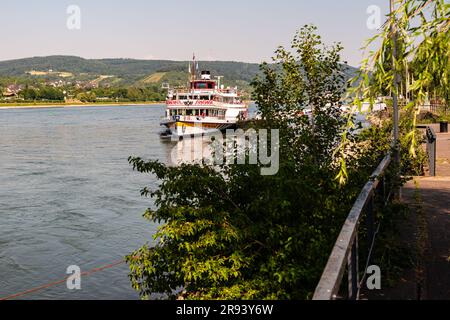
(46,105)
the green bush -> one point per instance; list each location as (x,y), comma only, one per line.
(228,232)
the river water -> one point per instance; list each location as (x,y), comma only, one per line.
(69,197)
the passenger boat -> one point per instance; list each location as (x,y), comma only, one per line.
(203,107)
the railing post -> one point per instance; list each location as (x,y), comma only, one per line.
(431,148)
(433,157)
(370,222)
(353,273)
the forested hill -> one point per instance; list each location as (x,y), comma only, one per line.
(128,70)
(123,68)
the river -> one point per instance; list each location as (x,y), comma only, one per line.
(69,197)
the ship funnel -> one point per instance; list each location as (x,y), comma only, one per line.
(206,75)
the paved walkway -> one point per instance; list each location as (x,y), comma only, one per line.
(429,200)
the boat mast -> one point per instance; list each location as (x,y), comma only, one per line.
(193,69)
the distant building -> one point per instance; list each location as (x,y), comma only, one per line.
(56,84)
(12,90)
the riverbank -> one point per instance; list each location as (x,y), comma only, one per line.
(74,105)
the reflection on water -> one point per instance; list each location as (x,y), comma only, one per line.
(190,150)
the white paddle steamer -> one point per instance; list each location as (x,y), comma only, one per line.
(203,107)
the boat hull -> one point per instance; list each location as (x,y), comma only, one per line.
(188,129)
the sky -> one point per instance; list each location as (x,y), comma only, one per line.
(232,30)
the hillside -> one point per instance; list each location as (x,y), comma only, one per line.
(127,71)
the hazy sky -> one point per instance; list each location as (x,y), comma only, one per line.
(239,30)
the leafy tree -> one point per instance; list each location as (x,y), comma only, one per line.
(87,97)
(29,94)
(228,232)
(134,94)
(419,31)
(120,93)
(49,93)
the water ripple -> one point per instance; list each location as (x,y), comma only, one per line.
(68,196)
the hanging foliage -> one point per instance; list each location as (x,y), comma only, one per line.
(419,32)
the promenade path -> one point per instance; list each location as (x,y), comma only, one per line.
(427,232)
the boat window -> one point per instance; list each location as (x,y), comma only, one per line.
(203,85)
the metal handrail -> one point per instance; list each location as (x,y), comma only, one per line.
(345,251)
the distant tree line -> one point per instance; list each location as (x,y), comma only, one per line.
(42,92)
(134,94)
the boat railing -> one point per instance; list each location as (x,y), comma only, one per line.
(196,118)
